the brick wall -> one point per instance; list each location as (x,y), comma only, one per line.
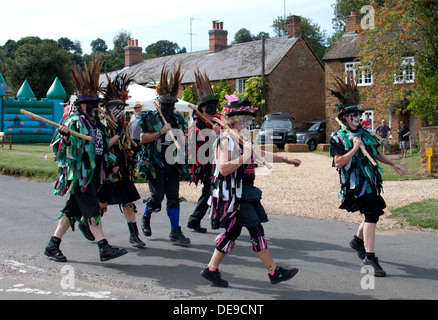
(296,86)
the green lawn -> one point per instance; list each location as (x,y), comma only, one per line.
(423,214)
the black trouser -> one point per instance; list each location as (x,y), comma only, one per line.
(201,207)
(166,184)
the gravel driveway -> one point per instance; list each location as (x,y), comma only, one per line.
(312,190)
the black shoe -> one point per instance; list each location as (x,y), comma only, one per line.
(281,274)
(133,235)
(146,227)
(197,228)
(52,250)
(214,277)
(358,245)
(177,236)
(107,252)
(85,229)
(374,263)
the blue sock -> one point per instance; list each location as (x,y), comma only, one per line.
(173,214)
(147,212)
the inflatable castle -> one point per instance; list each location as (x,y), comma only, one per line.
(23,128)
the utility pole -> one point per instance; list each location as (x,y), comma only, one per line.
(263,79)
(191,34)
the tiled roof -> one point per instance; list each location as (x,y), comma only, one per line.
(344,48)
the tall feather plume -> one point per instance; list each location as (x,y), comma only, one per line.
(169,87)
(117,89)
(86,81)
(347,93)
(202,86)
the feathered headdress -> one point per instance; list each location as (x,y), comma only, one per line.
(116,93)
(169,87)
(86,81)
(204,90)
(348,95)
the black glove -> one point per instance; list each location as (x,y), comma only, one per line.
(120,129)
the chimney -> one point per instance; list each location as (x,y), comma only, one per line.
(133,53)
(293,26)
(218,36)
(352,22)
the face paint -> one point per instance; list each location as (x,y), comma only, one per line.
(118,111)
(354,118)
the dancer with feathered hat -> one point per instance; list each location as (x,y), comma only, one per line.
(119,188)
(200,133)
(355,152)
(82,165)
(162,157)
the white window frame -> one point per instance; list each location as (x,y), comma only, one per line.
(406,72)
(240,85)
(363,75)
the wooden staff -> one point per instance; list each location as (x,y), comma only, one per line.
(170,131)
(240,138)
(108,117)
(362,147)
(57,125)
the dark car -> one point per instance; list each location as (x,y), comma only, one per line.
(277,128)
(311,133)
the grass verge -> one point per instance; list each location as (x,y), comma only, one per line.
(423,214)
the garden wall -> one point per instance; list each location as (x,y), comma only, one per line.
(429,139)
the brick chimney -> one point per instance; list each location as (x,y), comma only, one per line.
(218,36)
(133,53)
(352,22)
(293,26)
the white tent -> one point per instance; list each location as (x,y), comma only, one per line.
(147,96)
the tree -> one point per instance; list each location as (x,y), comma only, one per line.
(70,46)
(402,29)
(316,38)
(39,63)
(163,48)
(243,35)
(98,45)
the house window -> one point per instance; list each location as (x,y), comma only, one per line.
(405,72)
(363,75)
(240,85)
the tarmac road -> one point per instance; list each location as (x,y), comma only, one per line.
(329,268)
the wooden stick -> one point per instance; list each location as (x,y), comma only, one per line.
(362,147)
(57,125)
(170,131)
(240,138)
(108,117)
(191,106)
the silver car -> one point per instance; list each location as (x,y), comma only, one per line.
(311,133)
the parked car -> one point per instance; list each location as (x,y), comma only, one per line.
(311,133)
(277,128)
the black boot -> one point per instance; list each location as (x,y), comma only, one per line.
(133,237)
(107,252)
(358,245)
(53,252)
(281,274)
(373,262)
(177,236)
(85,229)
(146,227)
(214,277)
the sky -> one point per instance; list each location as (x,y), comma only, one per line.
(150,21)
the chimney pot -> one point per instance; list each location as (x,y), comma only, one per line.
(218,36)
(133,53)
(293,26)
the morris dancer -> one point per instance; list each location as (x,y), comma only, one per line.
(82,166)
(119,188)
(361,182)
(201,133)
(236,202)
(157,161)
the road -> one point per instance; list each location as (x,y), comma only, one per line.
(329,269)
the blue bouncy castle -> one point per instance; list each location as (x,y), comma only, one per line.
(23,128)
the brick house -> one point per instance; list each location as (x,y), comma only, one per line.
(340,61)
(295,74)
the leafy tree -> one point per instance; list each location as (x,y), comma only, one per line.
(243,35)
(70,46)
(316,38)
(402,29)
(98,45)
(163,48)
(39,64)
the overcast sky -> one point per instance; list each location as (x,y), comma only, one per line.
(150,21)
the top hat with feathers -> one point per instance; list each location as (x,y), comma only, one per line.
(86,81)
(203,90)
(169,85)
(348,95)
